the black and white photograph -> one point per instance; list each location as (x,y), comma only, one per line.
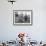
(22,16)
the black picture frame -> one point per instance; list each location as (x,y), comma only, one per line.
(19,17)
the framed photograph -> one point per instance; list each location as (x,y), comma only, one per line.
(22,17)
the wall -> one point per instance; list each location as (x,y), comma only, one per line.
(38,30)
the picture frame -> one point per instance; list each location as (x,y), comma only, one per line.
(22,17)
